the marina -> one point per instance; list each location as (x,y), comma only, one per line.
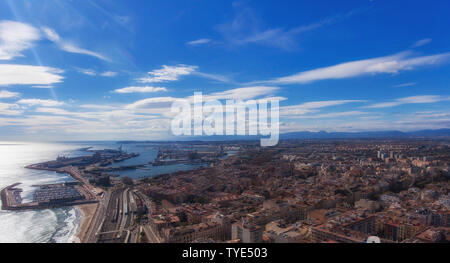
(48,196)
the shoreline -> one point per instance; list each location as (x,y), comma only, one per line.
(87,214)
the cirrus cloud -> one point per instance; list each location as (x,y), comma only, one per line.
(389,65)
(108,74)
(410,100)
(312,106)
(146,89)
(70,47)
(422,42)
(199,41)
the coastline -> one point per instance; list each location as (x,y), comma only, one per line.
(87,214)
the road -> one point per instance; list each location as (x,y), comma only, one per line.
(152,237)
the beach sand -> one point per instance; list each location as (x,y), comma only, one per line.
(88,212)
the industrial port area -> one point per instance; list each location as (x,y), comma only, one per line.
(73,193)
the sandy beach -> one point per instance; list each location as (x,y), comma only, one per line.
(88,212)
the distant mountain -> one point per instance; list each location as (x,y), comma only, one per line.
(442,133)
(339,135)
(368,135)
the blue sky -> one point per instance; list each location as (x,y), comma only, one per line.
(89,70)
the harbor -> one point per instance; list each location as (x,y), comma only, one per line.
(79,192)
(48,196)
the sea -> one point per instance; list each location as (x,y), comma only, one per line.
(59,225)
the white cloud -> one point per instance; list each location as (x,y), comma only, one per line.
(9,109)
(40,102)
(70,47)
(199,41)
(159,102)
(215,77)
(311,107)
(241,93)
(4,94)
(326,103)
(233,94)
(108,74)
(423,99)
(168,73)
(279,98)
(55,111)
(88,72)
(248,28)
(11,74)
(91,72)
(384,105)
(174,73)
(409,84)
(431,114)
(97,107)
(331,115)
(410,100)
(16,37)
(146,89)
(51,34)
(389,64)
(422,42)
(42,87)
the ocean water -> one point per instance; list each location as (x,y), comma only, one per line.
(57,225)
(148,152)
(51,225)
